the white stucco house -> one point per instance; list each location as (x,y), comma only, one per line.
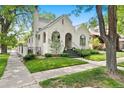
(60,28)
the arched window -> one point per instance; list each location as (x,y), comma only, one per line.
(55,36)
(82,40)
(44,37)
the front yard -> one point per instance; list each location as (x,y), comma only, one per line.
(37,65)
(3,63)
(102,56)
(91,78)
(95,55)
(121,64)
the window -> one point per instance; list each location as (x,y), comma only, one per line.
(55,36)
(123,46)
(62,21)
(38,37)
(44,37)
(39,29)
(82,40)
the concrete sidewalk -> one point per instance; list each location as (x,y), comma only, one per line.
(16,74)
(39,76)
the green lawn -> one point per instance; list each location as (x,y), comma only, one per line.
(91,78)
(3,63)
(102,56)
(96,57)
(37,65)
(121,64)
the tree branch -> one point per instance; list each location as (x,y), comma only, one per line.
(101,23)
(112,21)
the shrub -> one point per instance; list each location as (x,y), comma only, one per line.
(29,57)
(64,55)
(48,55)
(93,51)
(86,52)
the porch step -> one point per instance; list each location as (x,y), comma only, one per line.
(72,53)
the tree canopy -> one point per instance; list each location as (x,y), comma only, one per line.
(120,16)
(48,15)
(14,21)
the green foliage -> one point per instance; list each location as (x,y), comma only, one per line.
(106,20)
(96,77)
(24,38)
(64,55)
(96,57)
(55,46)
(37,65)
(9,40)
(96,43)
(29,57)
(120,21)
(3,63)
(121,64)
(86,52)
(47,15)
(93,22)
(102,56)
(14,21)
(56,55)
(48,55)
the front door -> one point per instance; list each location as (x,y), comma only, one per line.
(68,41)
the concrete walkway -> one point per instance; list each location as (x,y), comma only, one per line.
(16,74)
(39,76)
(100,63)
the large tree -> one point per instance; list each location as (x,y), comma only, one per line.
(11,19)
(109,37)
(93,22)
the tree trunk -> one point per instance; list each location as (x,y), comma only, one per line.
(4,30)
(111,51)
(111,57)
(109,37)
(3,49)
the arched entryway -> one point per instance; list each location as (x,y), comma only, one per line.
(68,41)
(55,36)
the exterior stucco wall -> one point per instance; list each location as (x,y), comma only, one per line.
(22,50)
(63,29)
(82,31)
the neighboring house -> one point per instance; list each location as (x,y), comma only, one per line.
(95,34)
(44,32)
(121,42)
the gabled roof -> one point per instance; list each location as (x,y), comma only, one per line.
(82,26)
(53,22)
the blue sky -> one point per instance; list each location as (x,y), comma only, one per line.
(58,10)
